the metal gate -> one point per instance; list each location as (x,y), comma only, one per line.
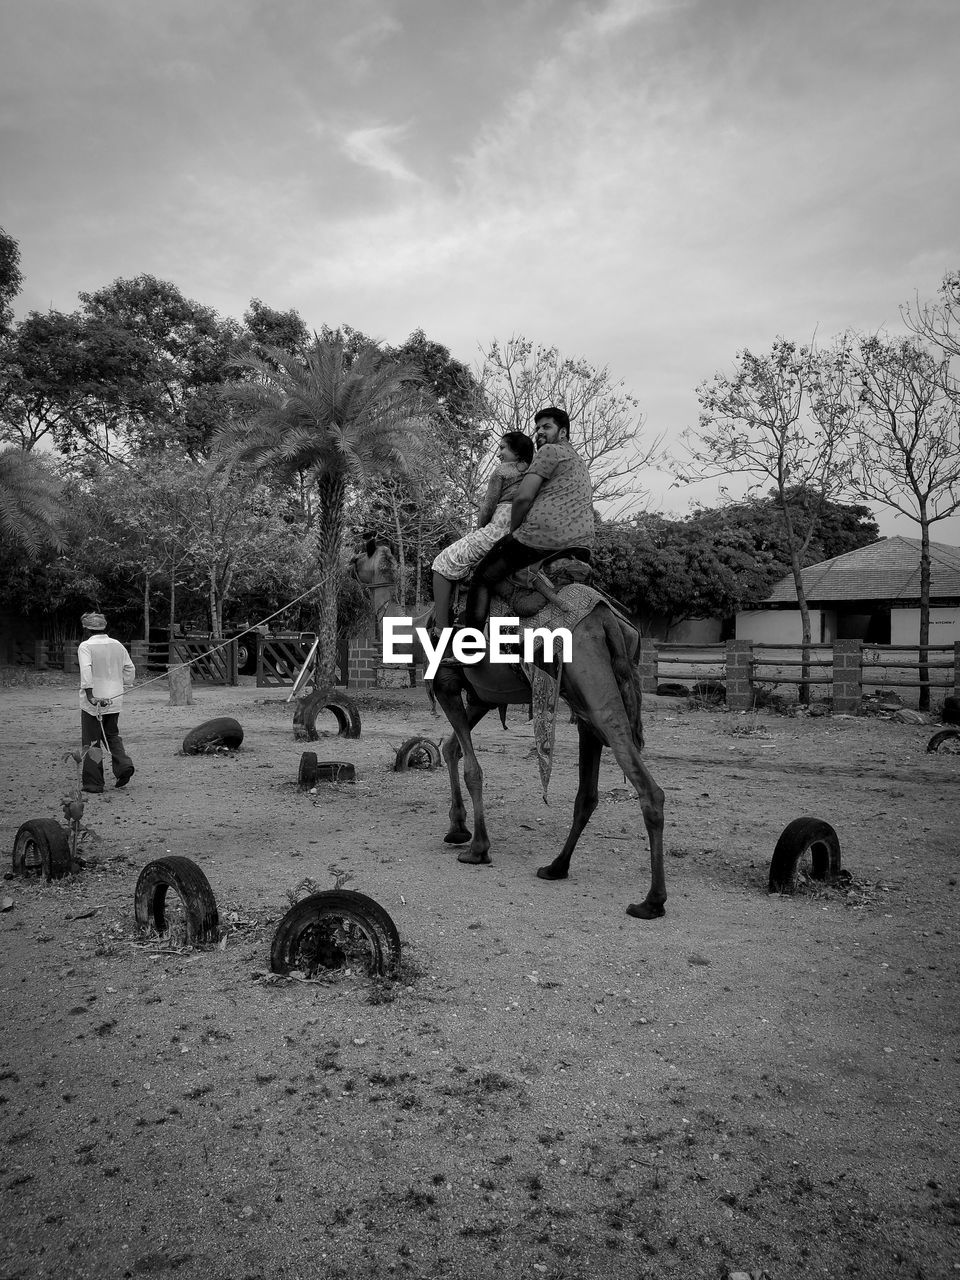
(208,665)
(280,657)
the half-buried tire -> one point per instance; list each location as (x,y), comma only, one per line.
(344,709)
(307,775)
(335,929)
(798,838)
(41,848)
(199,919)
(945,742)
(224,731)
(417,753)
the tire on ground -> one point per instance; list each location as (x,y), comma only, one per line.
(41,847)
(344,708)
(224,731)
(802,836)
(336,771)
(938,741)
(307,774)
(191,886)
(417,753)
(335,929)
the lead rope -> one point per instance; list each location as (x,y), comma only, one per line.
(201,657)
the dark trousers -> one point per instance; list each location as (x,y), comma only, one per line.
(92,777)
(504,558)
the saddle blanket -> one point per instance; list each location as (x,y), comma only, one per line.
(575,602)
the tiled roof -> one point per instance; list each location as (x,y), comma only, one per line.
(885,570)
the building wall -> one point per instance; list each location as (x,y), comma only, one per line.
(905,626)
(776,626)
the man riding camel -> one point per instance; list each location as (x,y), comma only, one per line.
(552,511)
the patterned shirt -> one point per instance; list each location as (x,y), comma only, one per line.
(561,514)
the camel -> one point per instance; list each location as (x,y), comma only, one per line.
(602,687)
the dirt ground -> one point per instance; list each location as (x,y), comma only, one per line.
(552,1088)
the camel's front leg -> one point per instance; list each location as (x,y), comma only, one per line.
(462,721)
(459,832)
(587,798)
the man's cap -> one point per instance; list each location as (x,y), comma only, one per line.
(93,622)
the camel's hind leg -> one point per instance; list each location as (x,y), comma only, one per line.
(459,743)
(587,799)
(604,686)
(651,806)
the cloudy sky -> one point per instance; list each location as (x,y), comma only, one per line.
(651,184)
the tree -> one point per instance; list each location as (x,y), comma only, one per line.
(29,502)
(11,277)
(782,418)
(339,421)
(757,525)
(184,351)
(421,511)
(907,454)
(517,378)
(666,571)
(266,328)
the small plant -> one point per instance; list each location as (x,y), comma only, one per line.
(74,803)
(306,886)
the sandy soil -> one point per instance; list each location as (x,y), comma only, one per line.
(754,1083)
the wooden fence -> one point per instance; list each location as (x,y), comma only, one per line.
(843,670)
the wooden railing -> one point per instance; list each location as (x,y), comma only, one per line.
(843,668)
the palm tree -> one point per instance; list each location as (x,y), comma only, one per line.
(337,417)
(29,502)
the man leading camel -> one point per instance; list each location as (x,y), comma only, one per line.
(552,511)
(106,670)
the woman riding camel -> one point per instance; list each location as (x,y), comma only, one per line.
(457,561)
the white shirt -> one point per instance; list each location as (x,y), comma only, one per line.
(107,669)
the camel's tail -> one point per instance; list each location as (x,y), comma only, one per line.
(626,673)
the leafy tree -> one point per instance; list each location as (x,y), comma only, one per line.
(780,418)
(11,277)
(183,350)
(517,378)
(666,571)
(907,453)
(266,328)
(75,381)
(757,525)
(334,418)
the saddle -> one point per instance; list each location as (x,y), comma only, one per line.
(528,590)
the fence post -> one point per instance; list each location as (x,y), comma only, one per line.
(739,674)
(647,665)
(847,677)
(140,656)
(40,655)
(956,668)
(180,686)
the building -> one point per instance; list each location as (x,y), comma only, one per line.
(871,594)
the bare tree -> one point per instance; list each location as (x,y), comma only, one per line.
(517,378)
(907,453)
(938,323)
(781,420)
